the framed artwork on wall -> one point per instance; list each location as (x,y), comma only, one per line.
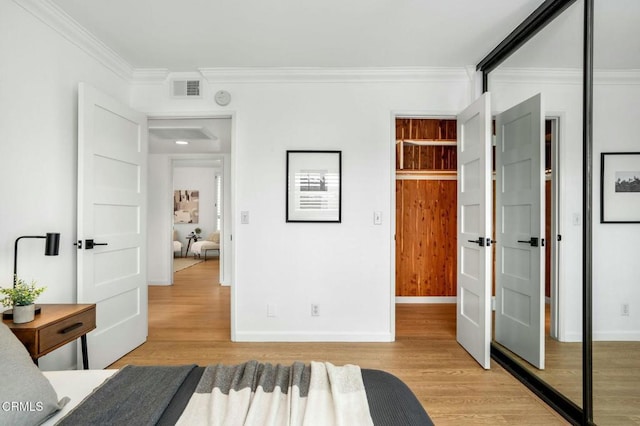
(314,186)
(620,187)
(186,206)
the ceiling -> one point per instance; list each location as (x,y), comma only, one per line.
(191,34)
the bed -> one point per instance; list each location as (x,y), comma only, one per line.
(250,393)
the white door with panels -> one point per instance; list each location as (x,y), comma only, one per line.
(473,329)
(520,314)
(111,239)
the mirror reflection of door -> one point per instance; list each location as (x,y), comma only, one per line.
(520,231)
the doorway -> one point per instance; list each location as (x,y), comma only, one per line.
(425,181)
(203,156)
(197,212)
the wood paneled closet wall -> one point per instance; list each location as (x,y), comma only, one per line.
(426,213)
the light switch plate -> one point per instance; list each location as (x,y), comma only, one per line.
(244,217)
(377,218)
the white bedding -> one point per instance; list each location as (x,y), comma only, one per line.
(76,384)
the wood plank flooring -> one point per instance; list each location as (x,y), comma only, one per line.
(189,322)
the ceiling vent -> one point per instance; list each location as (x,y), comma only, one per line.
(185,88)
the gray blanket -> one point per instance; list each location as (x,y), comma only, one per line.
(125,399)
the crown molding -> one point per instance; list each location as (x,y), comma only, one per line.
(616,77)
(51,15)
(562,76)
(150,75)
(536,75)
(340,75)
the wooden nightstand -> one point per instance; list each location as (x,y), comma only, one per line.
(54,327)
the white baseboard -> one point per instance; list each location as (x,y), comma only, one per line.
(620,336)
(158,283)
(425,299)
(260,336)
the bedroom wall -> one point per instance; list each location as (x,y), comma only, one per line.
(39,75)
(345,268)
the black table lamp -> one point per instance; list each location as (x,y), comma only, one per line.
(51,248)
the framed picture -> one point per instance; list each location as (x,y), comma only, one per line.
(186,206)
(314,186)
(620,187)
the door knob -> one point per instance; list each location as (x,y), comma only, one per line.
(89,244)
(479,241)
(533,241)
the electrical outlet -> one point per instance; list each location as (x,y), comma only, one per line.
(315,310)
(624,310)
(271,310)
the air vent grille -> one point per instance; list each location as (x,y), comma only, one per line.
(186,88)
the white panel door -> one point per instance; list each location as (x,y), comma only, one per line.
(474,230)
(112,171)
(520,230)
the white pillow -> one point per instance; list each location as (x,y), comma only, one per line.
(26,396)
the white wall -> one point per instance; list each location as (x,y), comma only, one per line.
(160,220)
(39,75)
(615,262)
(346,268)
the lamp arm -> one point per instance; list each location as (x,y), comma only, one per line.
(15,256)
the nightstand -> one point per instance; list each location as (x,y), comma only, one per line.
(55,326)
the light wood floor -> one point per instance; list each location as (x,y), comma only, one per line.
(189,322)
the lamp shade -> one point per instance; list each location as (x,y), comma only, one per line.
(52,245)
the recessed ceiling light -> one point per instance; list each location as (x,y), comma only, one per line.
(182,142)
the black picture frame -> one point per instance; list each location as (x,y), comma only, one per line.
(314,186)
(620,187)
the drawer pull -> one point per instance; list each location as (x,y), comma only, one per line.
(71,328)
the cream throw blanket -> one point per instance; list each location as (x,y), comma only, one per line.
(256,394)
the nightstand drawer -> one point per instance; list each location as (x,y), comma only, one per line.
(66,330)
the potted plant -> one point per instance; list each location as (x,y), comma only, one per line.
(21,297)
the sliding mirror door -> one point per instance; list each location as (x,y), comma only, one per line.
(616,213)
(550,63)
